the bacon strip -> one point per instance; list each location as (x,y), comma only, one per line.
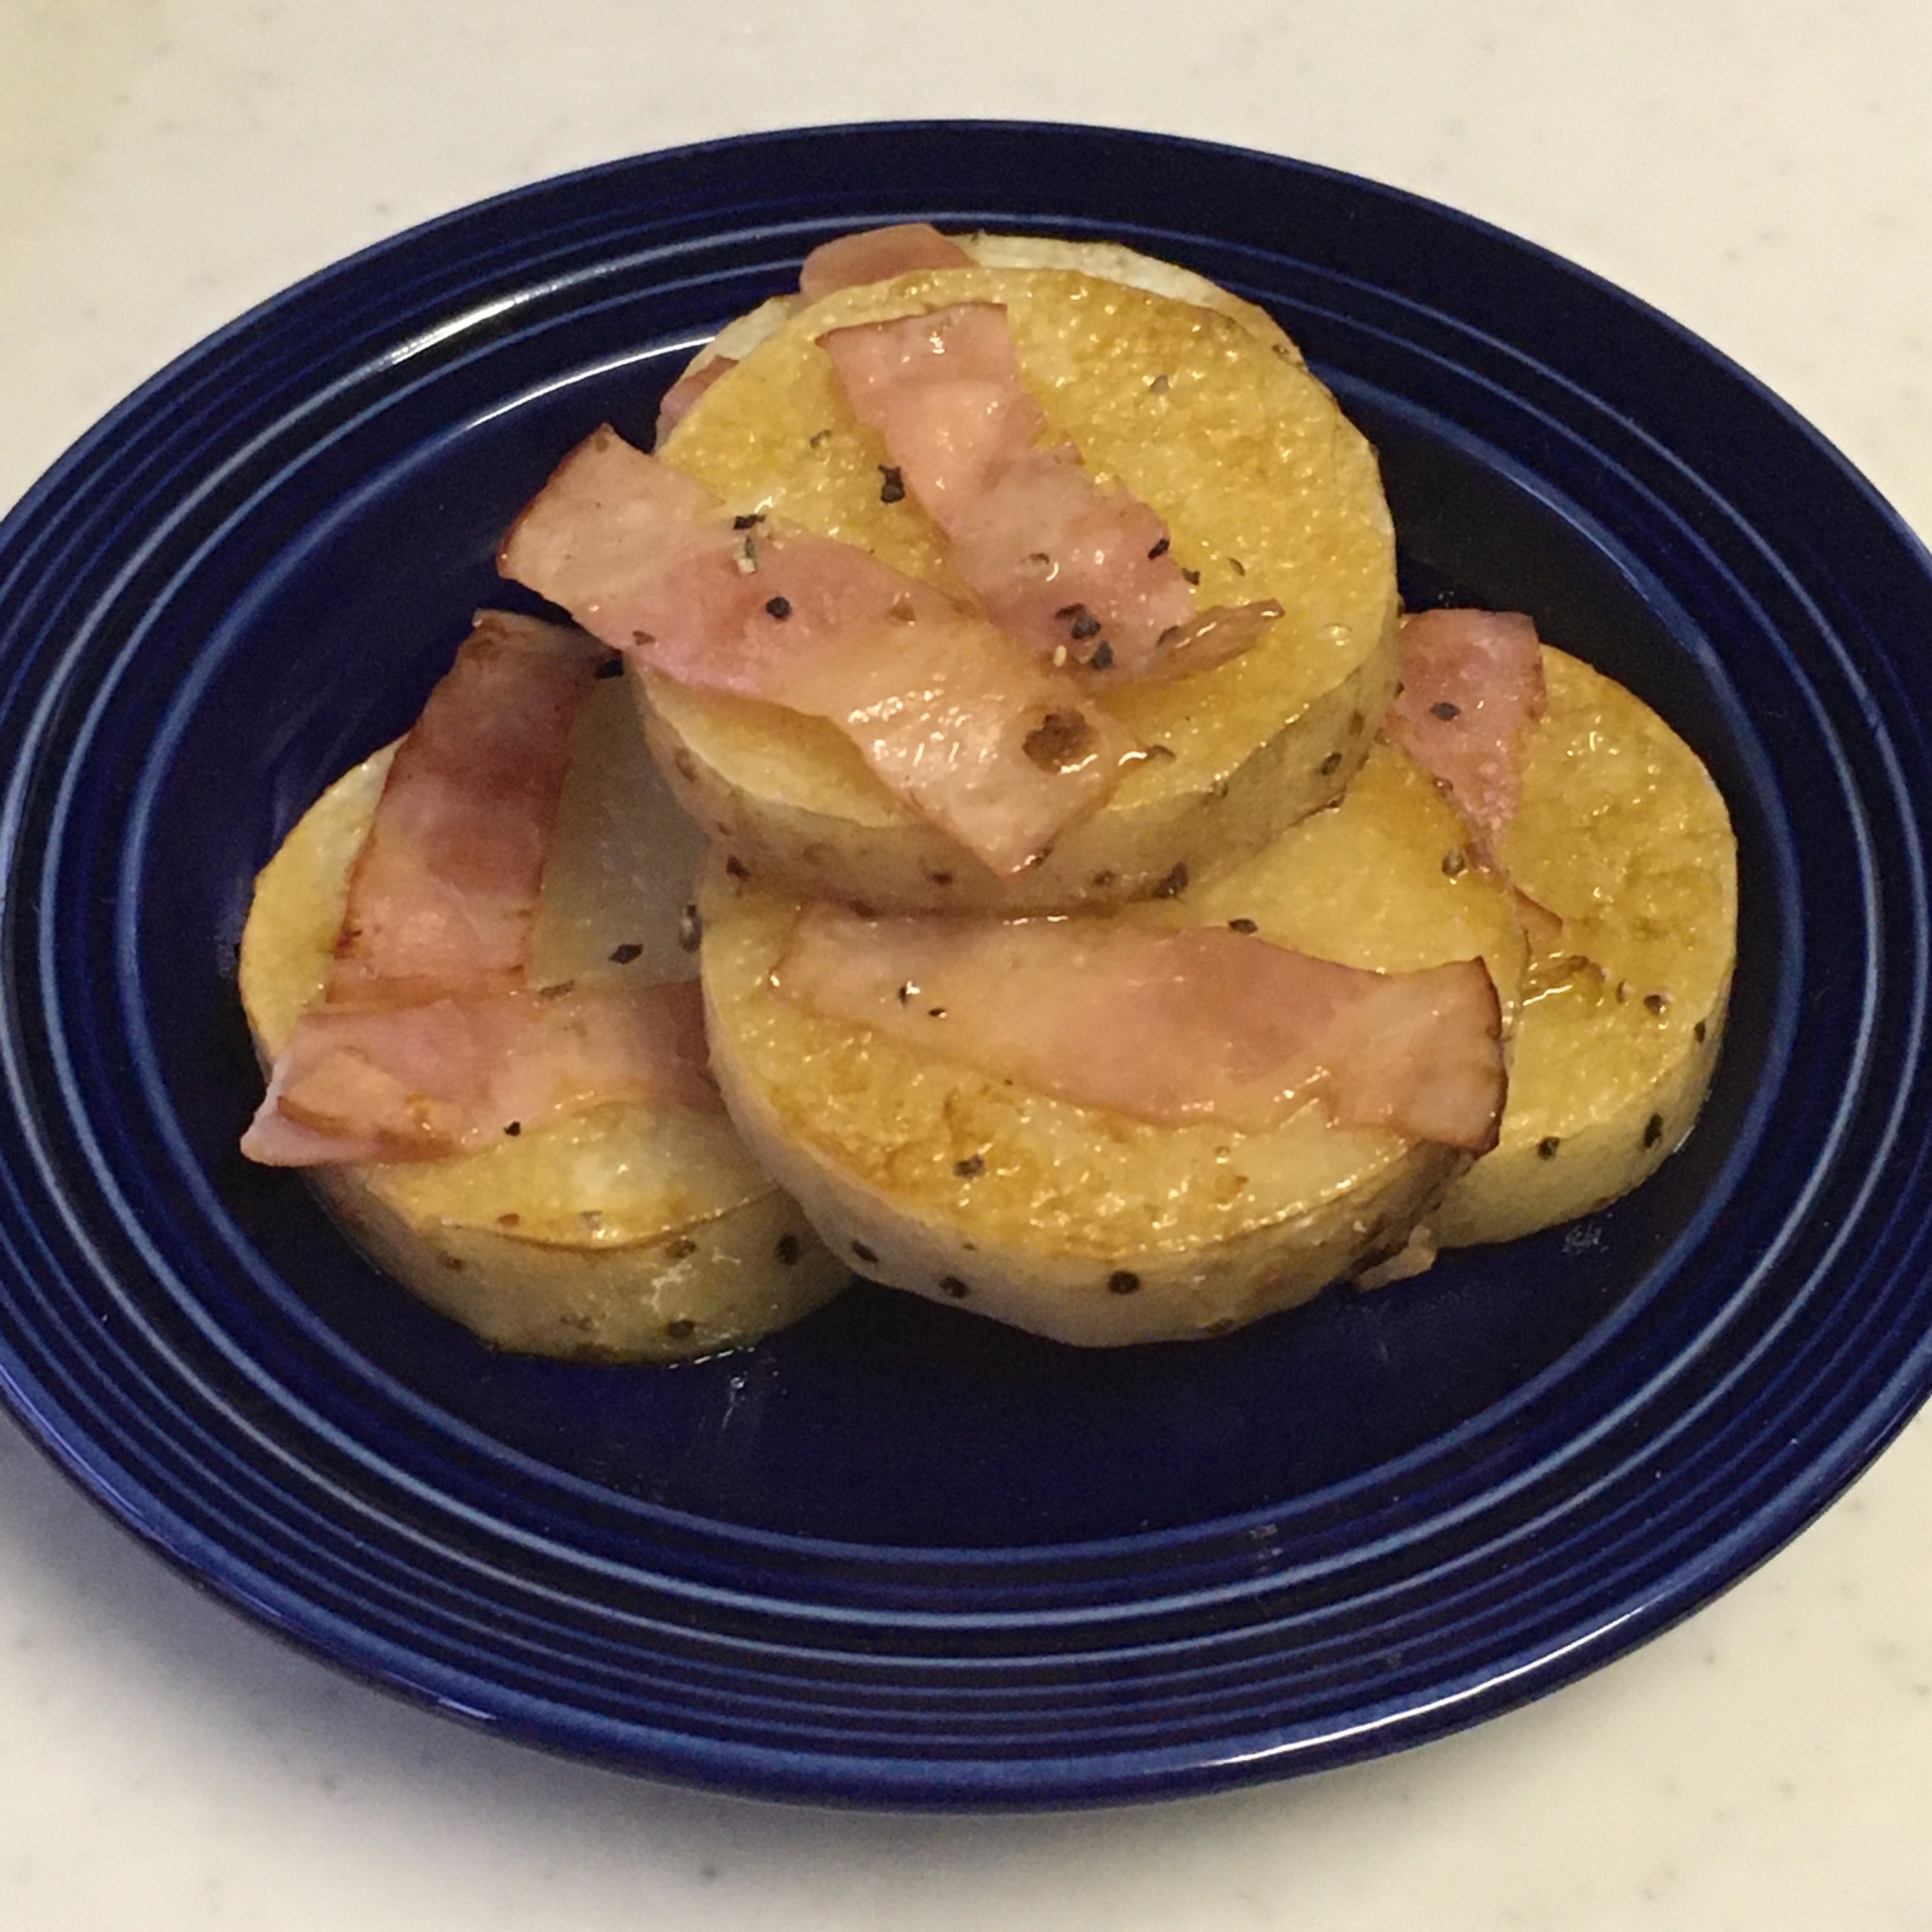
(955,718)
(1167,1027)
(419,1080)
(426,1039)
(1076,572)
(444,895)
(877,255)
(1470,688)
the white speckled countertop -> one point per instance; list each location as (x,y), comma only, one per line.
(1762,173)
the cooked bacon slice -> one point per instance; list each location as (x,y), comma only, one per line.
(1470,686)
(1202,1023)
(955,717)
(682,396)
(1079,573)
(877,255)
(444,895)
(419,1080)
(426,1039)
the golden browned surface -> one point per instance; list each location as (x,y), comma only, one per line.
(1209,416)
(1622,835)
(622,1233)
(936,1178)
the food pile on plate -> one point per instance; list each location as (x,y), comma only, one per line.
(1052,876)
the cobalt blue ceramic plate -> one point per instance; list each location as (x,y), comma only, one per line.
(897,1556)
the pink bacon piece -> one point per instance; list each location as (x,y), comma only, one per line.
(955,718)
(877,255)
(419,1080)
(1078,573)
(1167,1027)
(443,894)
(1470,688)
(426,1039)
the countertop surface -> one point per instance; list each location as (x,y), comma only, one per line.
(1762,173)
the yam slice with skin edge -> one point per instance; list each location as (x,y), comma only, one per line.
(619,1233)
(1622,841)
(1270,495)
(1077,1222)
(1106,261)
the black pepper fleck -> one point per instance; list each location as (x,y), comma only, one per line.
(1445,710)
(1174,884)
(1103,656)
(1699,1031)
(891,484)
(681,1248)
(864,1253)
(611,668)
(1652,1130)
(1655,1003)
(1331,764)
(622,955)
(1123,1281)
(1545,1148)
(1455,864)
(750,521)
(951,1283)
(974,1164)
(514,1128)
(1060,739)
(1160,548)
(779,608)
(680,1328)
(1242,926)
(735,867)
(1192,575)
(787,1250)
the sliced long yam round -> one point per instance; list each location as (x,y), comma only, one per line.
(1269,495)
(624,1231)
(1079,1222)
(1623,846)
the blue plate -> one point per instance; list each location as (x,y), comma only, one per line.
(898,1555)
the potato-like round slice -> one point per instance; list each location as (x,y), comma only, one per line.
(1106,261)
(1076,1222)
(1268,493)
(623,1233)
(1623,837)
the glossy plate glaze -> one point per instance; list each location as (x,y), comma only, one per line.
(897,1556)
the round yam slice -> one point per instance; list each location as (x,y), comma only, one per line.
(1078,1221)
(622,1233)
(1267,489)
(1624,848)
